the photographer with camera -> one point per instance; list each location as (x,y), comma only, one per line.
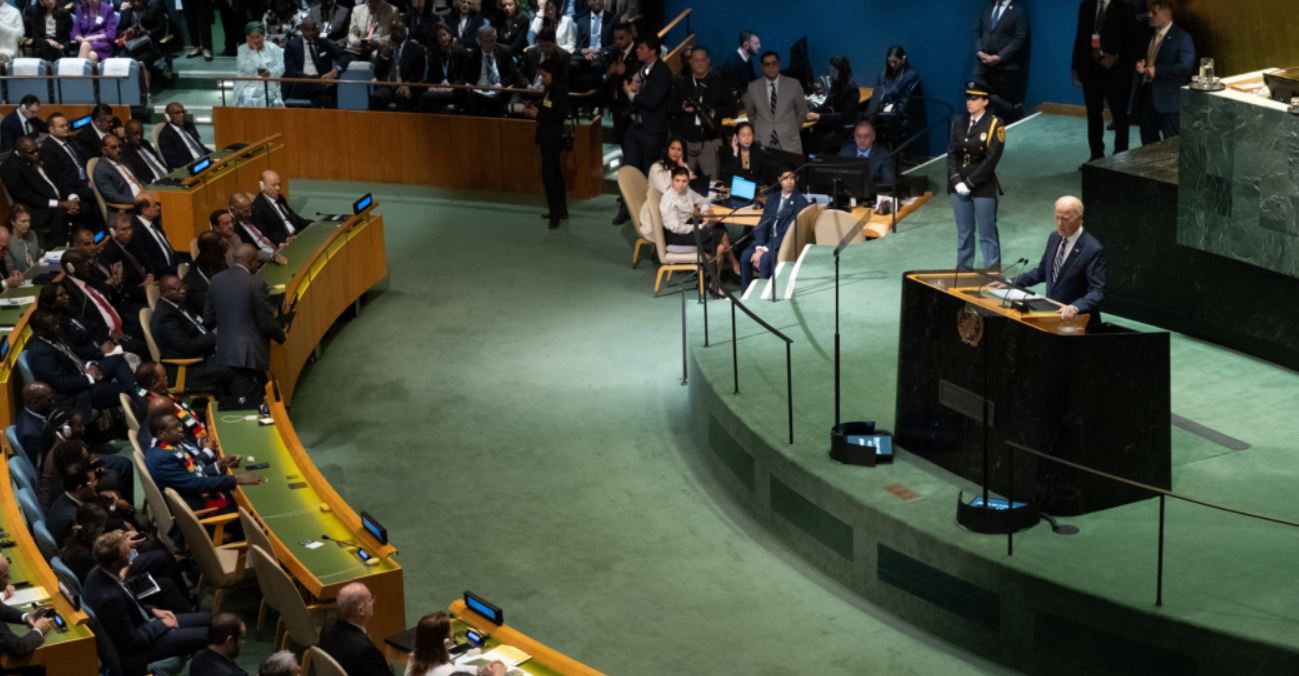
(701,99)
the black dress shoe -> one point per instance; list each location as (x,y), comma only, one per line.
(621,218)
(193,54)
(554,223)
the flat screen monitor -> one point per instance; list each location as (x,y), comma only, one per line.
(363,203)
(374,528)
(840,178)
(742,188)
(80,122)
(200,166)
(480,605)
(775,161)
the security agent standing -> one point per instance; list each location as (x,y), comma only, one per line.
(550,114)
(975,147)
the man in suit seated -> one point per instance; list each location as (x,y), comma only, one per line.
(12,645)
(140,633)
(1073,265)
(594,43)
(777,216)
(367,30)
(23,121)
(117,250)
(488,65)
(776,107)
(272,213)
(26,180)
(239,310)
(114,180)
(81,485)
(202,486)
(310,56)
(1165,65)
(740,68)
(400,60)
(82,380)
(8,278)
(178,141)
(150,242)
(241,208)
(33,425)
(139,154)
(181,335)
(545,50)
(104,308)
(91,136)
(346,640)
(225,640)
(863,146)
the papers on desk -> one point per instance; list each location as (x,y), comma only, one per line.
(17,301)
(508,654)
(52,257)
(1012,295)
(27,597)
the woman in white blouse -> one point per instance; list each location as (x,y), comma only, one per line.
(565,31)
(679,207)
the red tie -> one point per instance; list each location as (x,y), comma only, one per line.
(105,307)
(262,240)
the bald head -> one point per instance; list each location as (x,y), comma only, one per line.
(246,255)
(241,206)
(158,406)
(25,145)
(1068,215)
(38,397)
(355,604)
(271,184)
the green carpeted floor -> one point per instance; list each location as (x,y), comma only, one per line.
(509,405)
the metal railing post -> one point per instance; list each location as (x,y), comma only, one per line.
(789,389)
(1159,566)
(683,336)
(735,351)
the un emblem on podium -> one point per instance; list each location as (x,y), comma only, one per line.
(969,325)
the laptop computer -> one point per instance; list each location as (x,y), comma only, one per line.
(742,193)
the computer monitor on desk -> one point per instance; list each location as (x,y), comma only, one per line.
(842,178)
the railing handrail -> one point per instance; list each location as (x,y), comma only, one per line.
(673,23)
(1154,489)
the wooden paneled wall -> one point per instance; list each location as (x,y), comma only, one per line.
(454,151)
(1242,35)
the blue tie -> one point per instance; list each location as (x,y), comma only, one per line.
(996,13)
(595,31)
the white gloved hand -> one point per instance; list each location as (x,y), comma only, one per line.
(962,189)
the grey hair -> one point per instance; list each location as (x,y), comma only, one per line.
(281,663)
(486,31)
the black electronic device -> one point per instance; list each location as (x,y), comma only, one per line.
(841,178)
(373,527)
(476,639)
(80,122)
(200,166)
(364,555)
(72,597)
(481,606)
(363,203)
(260,465)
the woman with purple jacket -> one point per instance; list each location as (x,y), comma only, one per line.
(94,27)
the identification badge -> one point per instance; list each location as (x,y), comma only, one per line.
(1096,40)
(547,103)
(99,20)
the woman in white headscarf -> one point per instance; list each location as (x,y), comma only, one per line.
(259,58)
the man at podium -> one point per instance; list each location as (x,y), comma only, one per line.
(1073,265)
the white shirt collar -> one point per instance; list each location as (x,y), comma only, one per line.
(1163,32)
(1072,240)
(744,56)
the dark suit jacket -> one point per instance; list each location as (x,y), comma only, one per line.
(238,305)
(763,235)
(11,129)
(353,650)
(738,73)
(328,57)
(145,247)
(11,644)
(552,110)
(35,435)
(1008,39)
(196,284)
(413,66)
(129,624)
(446,69)
(25,185)
(133,269)
(881,164)
(473,67)
(469,37)
(112,185)
(270,222)
(513,33)
(1082,277)
(1118,36)
(714,92)
(533,56)
(52,367)
(63,170)
(208,663)
(731,163)
(91,144)
(168,469)
(82,308)
(131,155)
(177,336)
(333,27)
(652,101)
(174,149)
(1174,65)
(60,516)
(583,22)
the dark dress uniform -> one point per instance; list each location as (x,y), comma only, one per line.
(551,113)
(972,155)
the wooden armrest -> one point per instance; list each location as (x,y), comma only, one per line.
(322,607)
(188,361)
(205,511)
(220,519)
(120,207)
(241,545)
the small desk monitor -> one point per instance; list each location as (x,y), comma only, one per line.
(480,605)
(743,189)
(80,122)
(199,166)
(363,203)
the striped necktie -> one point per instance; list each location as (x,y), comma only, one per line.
(775,138)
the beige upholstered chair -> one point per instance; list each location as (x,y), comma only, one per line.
(99,198)
(220,565)
(633,186)
(671,258)
(182,365)
(300,622)
(153,500)
(316,662)
(800,234)
(256,537)
(832,225)
(155,131)
(128,412)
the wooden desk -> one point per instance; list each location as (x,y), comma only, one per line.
(545,660)
(971,288)
(878,226)
(452,151)
(71,651)
(330,266)
(185,209)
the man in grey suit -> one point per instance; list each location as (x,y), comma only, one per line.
(112,177)
(239,311)
(776,107)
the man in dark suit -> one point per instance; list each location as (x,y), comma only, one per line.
(741,68)
(1104,50)
(139,154)
(346,640)
(140,633)
(114,180)
(179,141)
(1162,69)
(33,425)
(91,136)
(26,180)
(594,44)
(149,242)
(272,213)
(332,19)
(863,147)
(1073,265)
(66,161)
(622,67)
(545,50)
(701,126)
(650,91)
(181,335)
(118,250)
(201,485)
(23,121)
(239,308)
(225,640)
(309,56)
(101,303)
(490,64)
(465,22)
(82,381)
(80,485)
(399,60)
(1001,50)
(241,209)
(769,234)
(12,645)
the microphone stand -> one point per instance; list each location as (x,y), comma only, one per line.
(843,243)
(840,447)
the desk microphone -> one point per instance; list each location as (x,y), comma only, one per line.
(340,543)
